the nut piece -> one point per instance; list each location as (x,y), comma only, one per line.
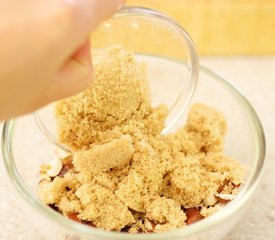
(74,217)
(55,167)
(43,182)
(193,215)
(44,177)
(210,199)
(224,198)
(62,153)
(149,225)
(208,211)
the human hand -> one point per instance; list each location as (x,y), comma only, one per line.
(44,50)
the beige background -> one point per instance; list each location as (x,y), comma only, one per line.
(223,26)
(256,78)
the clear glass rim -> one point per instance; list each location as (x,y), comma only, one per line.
(188,93)
(184,97)
(222,215)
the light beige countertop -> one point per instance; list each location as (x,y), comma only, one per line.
(255,77)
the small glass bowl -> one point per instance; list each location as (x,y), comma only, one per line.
(25,148)
(146,33)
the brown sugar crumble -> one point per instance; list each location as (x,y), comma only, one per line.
(121,173)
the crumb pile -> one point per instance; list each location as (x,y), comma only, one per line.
(122,174)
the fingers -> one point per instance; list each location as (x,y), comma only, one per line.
(61,26)
(92,12)
(74,76)
(68,25)
(83,55)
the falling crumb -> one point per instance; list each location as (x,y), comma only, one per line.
(122,174)
(120,93)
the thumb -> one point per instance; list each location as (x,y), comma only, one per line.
(74,76)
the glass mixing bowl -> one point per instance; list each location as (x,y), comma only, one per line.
(25,148)
(146,33)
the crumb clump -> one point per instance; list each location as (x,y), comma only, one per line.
(100,158)
(122,174)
